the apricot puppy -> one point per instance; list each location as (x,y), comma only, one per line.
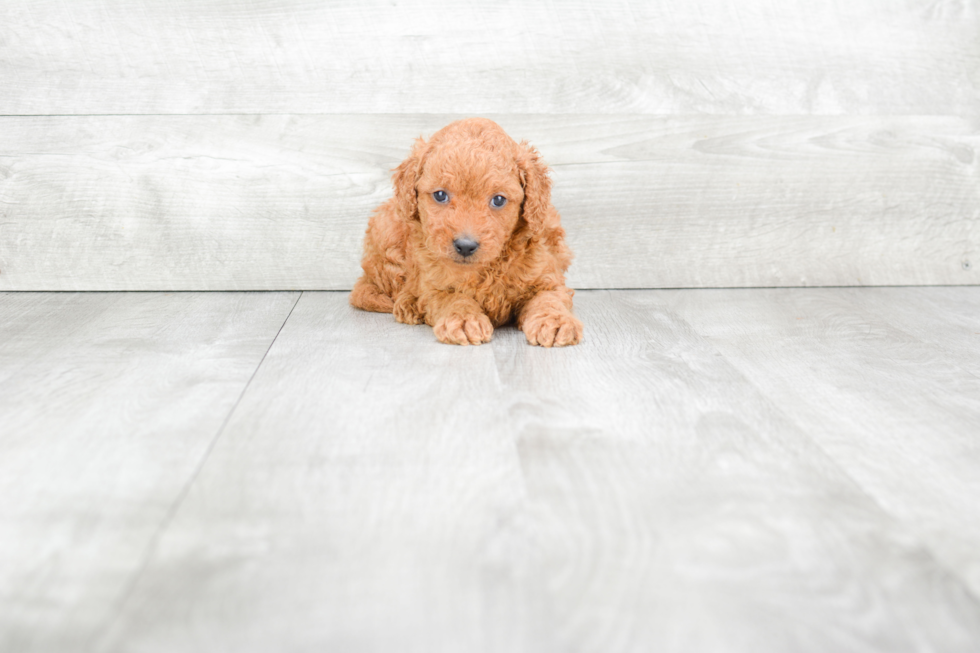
(470,241)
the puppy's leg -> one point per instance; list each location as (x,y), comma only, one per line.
(407,309)
(384,263)
(366,296)
(457,319)
(547,320)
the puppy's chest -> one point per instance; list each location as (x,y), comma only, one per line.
(496,291)
(500,303)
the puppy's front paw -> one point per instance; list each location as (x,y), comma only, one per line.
(552,329)
(464,329)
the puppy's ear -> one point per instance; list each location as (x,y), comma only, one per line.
(404,179)
(537,210)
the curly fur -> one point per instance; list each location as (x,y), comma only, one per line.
(411,268)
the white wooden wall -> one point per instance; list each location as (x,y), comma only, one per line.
(241,144)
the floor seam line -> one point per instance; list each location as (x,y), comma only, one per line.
(182,495)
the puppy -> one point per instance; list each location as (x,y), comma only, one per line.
(470,241)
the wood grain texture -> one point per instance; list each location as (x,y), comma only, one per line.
(669,56)
(375,490)
(885,380)
(308,549)
(108,403)
(946,318)
(281,202)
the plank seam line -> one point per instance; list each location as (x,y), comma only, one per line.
(182,495)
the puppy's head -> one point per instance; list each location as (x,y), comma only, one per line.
(472,188)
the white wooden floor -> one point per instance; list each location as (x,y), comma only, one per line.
(712,470)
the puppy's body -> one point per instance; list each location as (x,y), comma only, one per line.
(470,241)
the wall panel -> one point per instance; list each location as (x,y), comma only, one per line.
(445,56)
(281,201)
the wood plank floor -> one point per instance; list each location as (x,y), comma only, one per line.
(712,470)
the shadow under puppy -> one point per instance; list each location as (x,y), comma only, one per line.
(470,241)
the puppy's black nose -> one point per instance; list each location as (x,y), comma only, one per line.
(465,246)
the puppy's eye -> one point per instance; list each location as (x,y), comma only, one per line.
(440,196)
(498,201)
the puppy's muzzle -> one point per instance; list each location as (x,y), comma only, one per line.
(465,247)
